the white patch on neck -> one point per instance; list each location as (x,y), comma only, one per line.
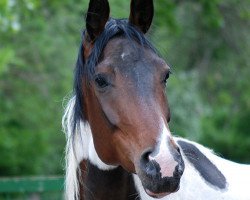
(81,149)
(94,158)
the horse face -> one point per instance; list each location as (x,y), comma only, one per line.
(127,109)
(129,86)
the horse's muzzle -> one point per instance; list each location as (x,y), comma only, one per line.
(157,178)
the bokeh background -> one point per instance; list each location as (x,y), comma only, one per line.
(207,43)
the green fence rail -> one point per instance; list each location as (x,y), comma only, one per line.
(29,188)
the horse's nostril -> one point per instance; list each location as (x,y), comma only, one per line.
(149,167)
(179,169)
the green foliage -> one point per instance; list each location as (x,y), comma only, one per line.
(183,92)
(6,55)
(207,43)
(36,71)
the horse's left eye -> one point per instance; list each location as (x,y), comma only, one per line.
(166,77)
(101,82)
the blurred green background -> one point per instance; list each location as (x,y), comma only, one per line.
(207,43)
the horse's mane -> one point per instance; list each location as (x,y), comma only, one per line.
(74,119)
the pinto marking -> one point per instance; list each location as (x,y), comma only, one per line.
(203,165)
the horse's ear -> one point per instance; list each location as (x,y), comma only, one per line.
(97,16)
(141,14)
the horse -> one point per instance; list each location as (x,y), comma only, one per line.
(119,145)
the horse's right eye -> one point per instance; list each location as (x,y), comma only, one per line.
(101,82)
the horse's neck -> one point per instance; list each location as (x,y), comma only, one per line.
(106,185)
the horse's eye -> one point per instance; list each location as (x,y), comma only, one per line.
(101,82)
(166,77)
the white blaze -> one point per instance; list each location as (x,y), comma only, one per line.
(164,157)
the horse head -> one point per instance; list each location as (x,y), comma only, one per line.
(120,87)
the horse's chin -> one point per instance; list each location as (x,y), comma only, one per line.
(159,188)
(160,194)
(156,195)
